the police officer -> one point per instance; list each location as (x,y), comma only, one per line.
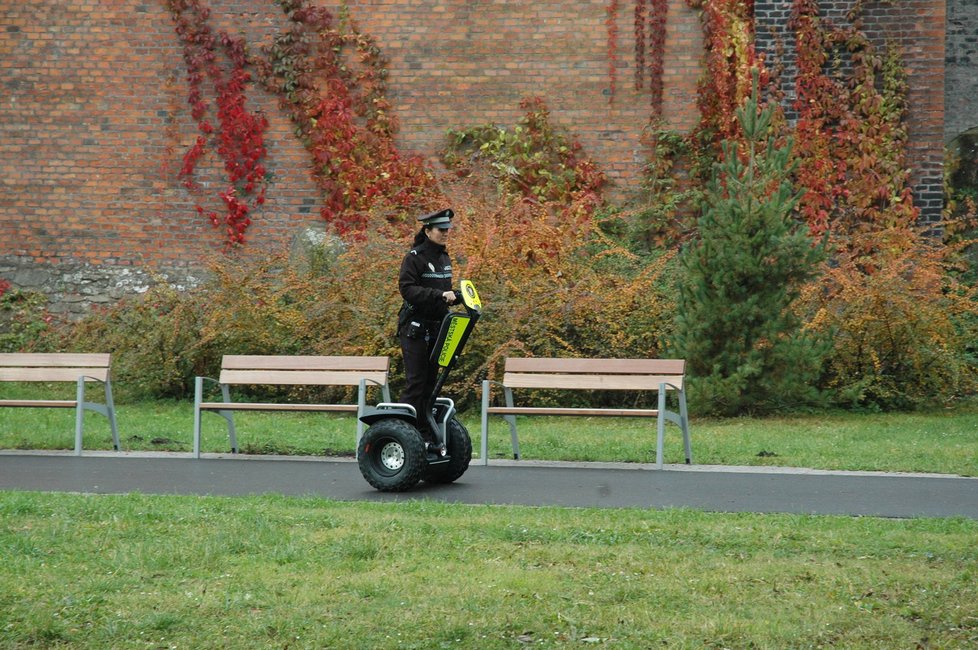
(425,282)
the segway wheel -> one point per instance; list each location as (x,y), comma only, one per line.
(391,455)
(459,453)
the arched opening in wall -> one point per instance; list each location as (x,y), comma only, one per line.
(963,164)
(961,189)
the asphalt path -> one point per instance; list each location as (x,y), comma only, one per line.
(602,485)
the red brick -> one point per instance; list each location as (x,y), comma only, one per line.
(94,121)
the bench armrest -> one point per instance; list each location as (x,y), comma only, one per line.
(488,382)
(208,381)
(107,409)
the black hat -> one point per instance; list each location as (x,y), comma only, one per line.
(440,219)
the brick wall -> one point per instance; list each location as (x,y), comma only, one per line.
(94,120)
(917,26)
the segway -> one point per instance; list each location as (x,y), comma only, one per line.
(392,455)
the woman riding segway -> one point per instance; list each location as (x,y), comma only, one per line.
(419,438)
(425,283)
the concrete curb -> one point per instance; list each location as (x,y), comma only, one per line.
(498,462)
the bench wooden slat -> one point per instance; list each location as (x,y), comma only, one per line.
(54,360)
(597,366)
(288,370)
(39,403)
(589,382)
(543,410)
(652,375)
(52,374)
(254,406)
(301,377)
(278,362)
(46,367)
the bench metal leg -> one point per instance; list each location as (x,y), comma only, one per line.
(198,397)
(79,415)
(107,409)
(361,405)
(511,420)
(660,429)
(110,407)
(680,419)
(684,423)
(484,447)
(229,416)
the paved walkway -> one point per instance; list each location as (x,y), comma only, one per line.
(605,485)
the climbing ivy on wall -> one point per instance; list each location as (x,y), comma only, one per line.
(851,132)
(611,24)
(850,136)
(680,163)
(330,79)
(331,82)
(650,23)
(238,136)
(728,29)
(535,160)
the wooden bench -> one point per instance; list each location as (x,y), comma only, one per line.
(67,367)
(659,375)
(289,371)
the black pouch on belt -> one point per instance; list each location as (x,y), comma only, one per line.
(413,330)
(403,317)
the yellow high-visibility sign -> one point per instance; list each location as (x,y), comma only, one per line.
(470,296)
(457,327)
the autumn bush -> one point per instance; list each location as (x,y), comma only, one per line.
(24,319)
(249,304)
(154,340)
(554,288)
(550,288)
(901,322)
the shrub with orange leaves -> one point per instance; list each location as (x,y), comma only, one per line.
(555,289)
(903,326)
(551,287)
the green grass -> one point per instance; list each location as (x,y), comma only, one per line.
(132,571)
(942,441)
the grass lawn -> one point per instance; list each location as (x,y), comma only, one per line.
(132,571)
(135,571)
(942,440)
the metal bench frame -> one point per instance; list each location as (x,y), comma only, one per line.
(80,368)
(659,375)
(275,370)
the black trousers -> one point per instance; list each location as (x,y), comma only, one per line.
(419,373)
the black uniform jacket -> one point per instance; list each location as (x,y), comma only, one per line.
(426,273)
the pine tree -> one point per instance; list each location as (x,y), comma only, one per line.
(742,342)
